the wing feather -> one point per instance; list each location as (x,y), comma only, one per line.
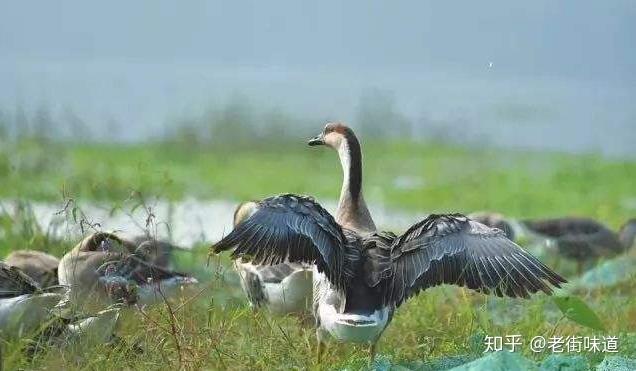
(452,249)
(14,282)
(292,228)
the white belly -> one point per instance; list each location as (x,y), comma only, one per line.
(345,327)
(23,314)
(291,295)
(351,327)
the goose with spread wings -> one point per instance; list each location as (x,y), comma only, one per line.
(362,275)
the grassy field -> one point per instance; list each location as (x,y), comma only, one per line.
(217,330)
(413,176)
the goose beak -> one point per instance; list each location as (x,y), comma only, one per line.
(318,140)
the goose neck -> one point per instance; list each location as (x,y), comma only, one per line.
(352,210)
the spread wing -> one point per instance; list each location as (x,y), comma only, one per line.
(453,249)
(13,282)
(291,228)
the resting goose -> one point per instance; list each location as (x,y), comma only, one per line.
(583,239)
(157,252)
(38,265)
(361,275)
(24,306)
(101,267)
(281,288)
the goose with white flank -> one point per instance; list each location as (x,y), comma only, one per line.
(361,275)
(102,267)
(68,327)
(94,329)
(38,265)
(281,288)
(24,305)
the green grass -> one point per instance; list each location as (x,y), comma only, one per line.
(219,331)
(521,184)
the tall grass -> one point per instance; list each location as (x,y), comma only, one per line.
(411,175)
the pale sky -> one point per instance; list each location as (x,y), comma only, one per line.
(144,62)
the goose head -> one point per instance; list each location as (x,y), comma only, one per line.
(334,135)
(352,211)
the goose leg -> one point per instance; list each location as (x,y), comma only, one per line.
(372,353)
(321,345)
(321,350)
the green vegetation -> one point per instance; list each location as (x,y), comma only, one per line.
(414,176)
(217,330)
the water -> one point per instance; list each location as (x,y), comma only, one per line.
(185,223)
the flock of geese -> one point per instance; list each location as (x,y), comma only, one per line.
(583,240)
(78,298)
(293,256)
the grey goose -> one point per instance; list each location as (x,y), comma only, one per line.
(362,275)
(38,265)
(101,270)
(581,239)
